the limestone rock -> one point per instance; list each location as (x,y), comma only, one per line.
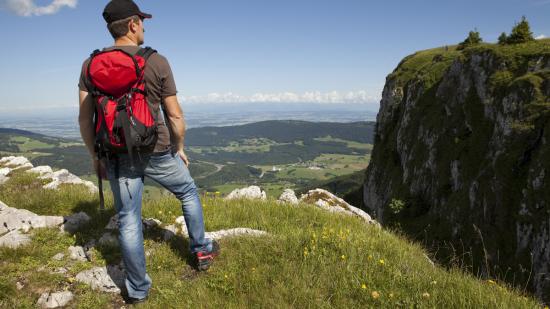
(252,192)
(22,219)
(150,223)
(64,177)
(288,196)
(182,226)
(3,179)
(15,162)
(14,239)
(19,286)
(44,171)
(55,300)
(328,201)
(77,253)
(5,171)
(234,232)
(58,257)
(73,222)
(169,231)
(106,279)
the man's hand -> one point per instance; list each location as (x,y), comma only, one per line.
(183,156)
(99,168)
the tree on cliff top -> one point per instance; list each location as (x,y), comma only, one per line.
(473,39)
(521,33)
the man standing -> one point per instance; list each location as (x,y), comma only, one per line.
(167,164)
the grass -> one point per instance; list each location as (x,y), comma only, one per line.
(311,259)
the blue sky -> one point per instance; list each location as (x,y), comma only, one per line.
(246,50)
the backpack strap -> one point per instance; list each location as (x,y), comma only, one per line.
(145,52)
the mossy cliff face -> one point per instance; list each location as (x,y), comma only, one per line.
(463,139)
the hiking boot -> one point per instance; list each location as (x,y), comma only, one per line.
(205,258)
(132,300)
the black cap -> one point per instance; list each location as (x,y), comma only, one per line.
(120,9)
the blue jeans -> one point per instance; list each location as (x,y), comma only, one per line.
(169,170)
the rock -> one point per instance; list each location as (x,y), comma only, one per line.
(234,232)
(58,257)
(3,179)
(77,253)
(74,222)
(106,279)
(169,231)
(60,270)
(5,171)
(19,286)
(26,165)
(64,177)
(22,219)
(55,300)
(113,223)
(182,226)
(252,192)
(44,171)
(150,223)
(288,196)
(328,201)
(12,161)
(3,206)
(108,240)
(14,239)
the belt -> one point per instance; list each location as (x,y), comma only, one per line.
(161,153)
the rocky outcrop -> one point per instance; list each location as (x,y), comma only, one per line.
(461,156)
(108,279)
(288,196)
(252,192)
(55,300)
(330,202)
(8,164)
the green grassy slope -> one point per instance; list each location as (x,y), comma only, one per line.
(311,259)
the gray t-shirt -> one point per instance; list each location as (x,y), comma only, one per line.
(159,84)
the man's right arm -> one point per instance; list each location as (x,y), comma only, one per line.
(86,121)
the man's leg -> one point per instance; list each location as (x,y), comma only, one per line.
(170,171)
(127,187)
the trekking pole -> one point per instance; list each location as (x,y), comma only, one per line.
(100,180)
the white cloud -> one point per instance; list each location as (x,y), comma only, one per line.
(540,37)
(358,97)
(29,8)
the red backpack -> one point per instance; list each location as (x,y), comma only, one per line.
(125,122)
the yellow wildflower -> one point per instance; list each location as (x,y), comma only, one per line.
(381,261)
(70,279)
(491,281)
(363,286)
(226,276)
(160,212)
(426,295)
(370,257)
(391,295)
(375,294)
(253,268)
(434,282)
(343,257)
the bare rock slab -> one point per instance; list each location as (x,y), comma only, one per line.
(108,279)
(252,192)
(55,300)
(14,239)
(74,222)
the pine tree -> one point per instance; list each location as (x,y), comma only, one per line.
(503,38)
(473,39)
(521,33)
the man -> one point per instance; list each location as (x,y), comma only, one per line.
(167,164)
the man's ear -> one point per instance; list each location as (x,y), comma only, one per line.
(132,26)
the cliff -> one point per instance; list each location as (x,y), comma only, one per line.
(461,158)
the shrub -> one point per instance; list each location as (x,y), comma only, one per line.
(473,39)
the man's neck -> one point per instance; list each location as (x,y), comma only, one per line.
(125,41)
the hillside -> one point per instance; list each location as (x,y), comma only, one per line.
(273,154)
(309,258)
(460,160)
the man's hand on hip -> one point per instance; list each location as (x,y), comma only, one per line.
(183,156)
